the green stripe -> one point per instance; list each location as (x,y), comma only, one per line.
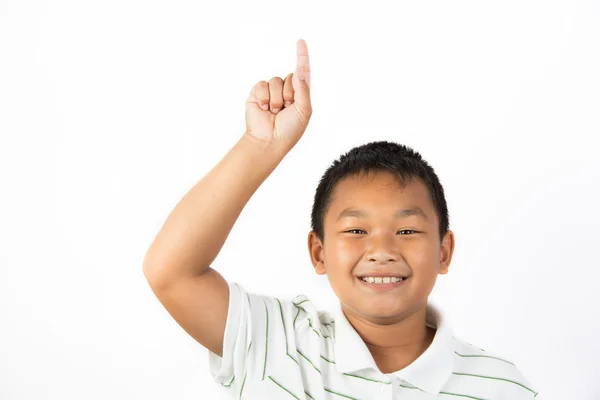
(310,321)
(308,394)
(285,333)
(283,323)
(281,386)
(296,317)
(303,301)
(339,394)
(243,383)
(492,377)
(266,339)
(462,395)
(230,382)
(314,330)
(366,379)
(468,344)
(306,358)
(232,379)
(410,387)
(329,361)
(496,358)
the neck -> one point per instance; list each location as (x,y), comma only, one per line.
(395,342)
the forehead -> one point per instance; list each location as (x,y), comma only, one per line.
(379,191)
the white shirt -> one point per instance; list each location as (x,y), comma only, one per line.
(278,349)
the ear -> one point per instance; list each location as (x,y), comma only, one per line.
(446,251)
(316,251)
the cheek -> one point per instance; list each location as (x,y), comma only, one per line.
(417,248)
(419,253)
(346,253)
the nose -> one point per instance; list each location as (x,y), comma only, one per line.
(382,248)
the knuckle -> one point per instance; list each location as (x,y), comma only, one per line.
(288,89)
(261,90)
(275,87)
(304,68)
(288,95)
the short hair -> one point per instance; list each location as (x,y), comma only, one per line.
(402,161)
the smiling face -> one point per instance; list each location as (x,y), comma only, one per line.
(374,226)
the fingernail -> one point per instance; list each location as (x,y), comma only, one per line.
(275,110)
(265,107)
(288,103)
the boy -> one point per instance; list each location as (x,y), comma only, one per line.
(379,232)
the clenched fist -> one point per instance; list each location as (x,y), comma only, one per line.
(278,112)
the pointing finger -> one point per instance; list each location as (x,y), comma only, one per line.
(302,61)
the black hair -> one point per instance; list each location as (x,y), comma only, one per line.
(402,161)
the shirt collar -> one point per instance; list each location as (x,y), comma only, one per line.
(429,372)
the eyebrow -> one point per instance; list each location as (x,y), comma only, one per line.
(401,213)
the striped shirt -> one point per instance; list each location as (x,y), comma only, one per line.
(278,349)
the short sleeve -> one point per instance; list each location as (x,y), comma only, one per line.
(235,338)
(255,337)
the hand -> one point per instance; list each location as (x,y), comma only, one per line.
(286,107)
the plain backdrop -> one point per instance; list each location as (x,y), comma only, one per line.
(111,111)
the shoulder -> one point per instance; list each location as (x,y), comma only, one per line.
(490,368)
(297,312)
(307,316)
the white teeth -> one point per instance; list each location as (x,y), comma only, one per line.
(379,279)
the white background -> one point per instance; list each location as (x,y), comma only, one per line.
(111,111)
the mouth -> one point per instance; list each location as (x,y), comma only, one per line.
(382,283)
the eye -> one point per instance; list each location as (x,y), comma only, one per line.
(355,230)
(360,230)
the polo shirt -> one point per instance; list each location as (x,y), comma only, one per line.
(287,349)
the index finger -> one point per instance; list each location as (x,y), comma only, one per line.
(302,54)
(302,60)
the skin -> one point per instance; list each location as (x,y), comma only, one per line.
(391,323)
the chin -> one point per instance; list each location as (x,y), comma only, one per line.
(381,308)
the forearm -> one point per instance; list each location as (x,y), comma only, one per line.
(196,229)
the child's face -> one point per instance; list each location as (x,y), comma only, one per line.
(378,242)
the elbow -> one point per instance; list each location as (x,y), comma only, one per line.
(151,273)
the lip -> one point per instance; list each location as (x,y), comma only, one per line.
(382,274)
(382,287)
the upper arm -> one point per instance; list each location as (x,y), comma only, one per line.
(246,334)
(199,304)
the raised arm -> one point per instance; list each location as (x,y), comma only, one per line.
(177,264)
